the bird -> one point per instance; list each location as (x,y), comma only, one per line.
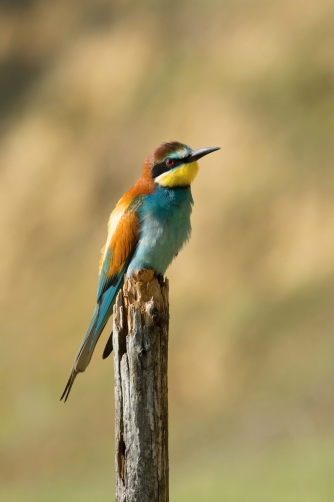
(146,230)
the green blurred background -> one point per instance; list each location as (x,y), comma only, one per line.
(87,89)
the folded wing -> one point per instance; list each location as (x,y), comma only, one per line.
(123,229)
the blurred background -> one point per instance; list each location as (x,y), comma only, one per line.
(87,89)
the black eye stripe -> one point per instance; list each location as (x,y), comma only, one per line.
(159,169)
(163,168)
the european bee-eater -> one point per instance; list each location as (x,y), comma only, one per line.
(147,229)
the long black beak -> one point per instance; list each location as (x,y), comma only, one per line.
(197,154)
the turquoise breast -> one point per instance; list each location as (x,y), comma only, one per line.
(164,228)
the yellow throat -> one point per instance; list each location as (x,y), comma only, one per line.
(183,175)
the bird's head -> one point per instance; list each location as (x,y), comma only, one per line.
(174,164)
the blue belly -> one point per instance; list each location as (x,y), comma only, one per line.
(164,228)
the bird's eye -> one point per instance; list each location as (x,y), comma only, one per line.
(170,162)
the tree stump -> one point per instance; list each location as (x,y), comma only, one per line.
(140,341)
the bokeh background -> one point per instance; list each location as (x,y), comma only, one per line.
(87,89)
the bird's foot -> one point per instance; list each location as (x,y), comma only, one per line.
(144,275)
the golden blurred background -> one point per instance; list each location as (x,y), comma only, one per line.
(87,89)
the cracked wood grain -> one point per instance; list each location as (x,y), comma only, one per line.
(140,341)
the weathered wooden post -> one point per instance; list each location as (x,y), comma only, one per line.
(140,343)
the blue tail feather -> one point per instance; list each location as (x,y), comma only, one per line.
(105,310)
(102,312)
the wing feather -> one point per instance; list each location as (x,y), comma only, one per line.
(121,243)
